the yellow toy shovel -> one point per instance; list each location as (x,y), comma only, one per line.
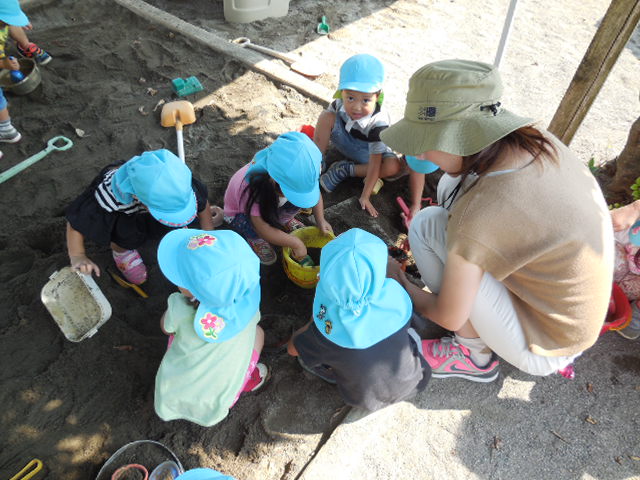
(176,114)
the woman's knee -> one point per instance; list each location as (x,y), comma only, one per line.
(429,224)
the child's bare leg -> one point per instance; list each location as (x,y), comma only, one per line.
(117,248)
(4,115)
(259,341)
(322,135)
(390,166)
(19,35)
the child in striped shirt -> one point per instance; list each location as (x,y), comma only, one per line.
(126,202)
(352,123)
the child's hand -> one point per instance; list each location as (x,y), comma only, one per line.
(82,264)
(625,217)
(217,216)
(366,204)
(325,227)
(299,250)
(394,270)
(10,63)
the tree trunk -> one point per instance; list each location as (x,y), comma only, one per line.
(627,167)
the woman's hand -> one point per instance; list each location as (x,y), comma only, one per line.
(624,217)
(82,264)
(366,204)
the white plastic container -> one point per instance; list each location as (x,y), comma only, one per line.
(76,303)
(245,11)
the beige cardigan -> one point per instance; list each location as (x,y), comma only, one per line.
(545,232)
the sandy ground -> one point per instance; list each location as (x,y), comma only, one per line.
(73,404)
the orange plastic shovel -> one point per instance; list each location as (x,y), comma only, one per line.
(176,114)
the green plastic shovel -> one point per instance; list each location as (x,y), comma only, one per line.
(51,146)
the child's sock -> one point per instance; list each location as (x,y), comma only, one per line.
(480,353)
(8,131)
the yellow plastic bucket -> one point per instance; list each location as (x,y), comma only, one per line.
(305,277)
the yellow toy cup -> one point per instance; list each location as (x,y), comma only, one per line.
(305,277)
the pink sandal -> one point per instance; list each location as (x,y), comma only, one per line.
(131,265)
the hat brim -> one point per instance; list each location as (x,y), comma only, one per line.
(178,219)
(421,166)
(360,87)
(302,200)
(18,19)
(380,318)
(458,137)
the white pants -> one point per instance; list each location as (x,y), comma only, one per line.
(493,315)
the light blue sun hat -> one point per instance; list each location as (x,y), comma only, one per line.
(293,161)
(223,273)
(12,14)
(356,305)
(203,474)
(420,166)
(162,182)
(361,73)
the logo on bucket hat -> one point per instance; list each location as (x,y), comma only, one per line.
(221,271)
(361,73)
(162,183)
(452,106)
(293,161)
(12,14)
(356,305)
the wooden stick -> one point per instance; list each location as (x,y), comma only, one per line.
(615,30)
(251,59)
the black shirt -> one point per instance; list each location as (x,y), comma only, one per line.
(390,371)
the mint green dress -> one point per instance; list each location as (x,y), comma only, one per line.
(199,381)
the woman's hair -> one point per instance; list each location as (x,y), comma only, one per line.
(263,191)
(526,138)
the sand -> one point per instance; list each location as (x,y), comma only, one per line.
(73,404)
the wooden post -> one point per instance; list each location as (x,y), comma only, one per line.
(615,30)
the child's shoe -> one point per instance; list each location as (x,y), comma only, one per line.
(33,51)
(293,224)
(8,133)
(448,358)
(131,265)
(259,377)
(336,173)
(1,154)
(264,250)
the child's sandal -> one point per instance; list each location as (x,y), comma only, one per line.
(259,377)
(131,266)
(264,250)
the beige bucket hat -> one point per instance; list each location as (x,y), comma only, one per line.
(452,106)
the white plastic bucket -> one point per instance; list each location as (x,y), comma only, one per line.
(76,303)
(245,11)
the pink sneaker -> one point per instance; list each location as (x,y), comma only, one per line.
(447,358)
(131,265)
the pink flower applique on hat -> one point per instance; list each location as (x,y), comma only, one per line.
(202,240)
(212,325)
